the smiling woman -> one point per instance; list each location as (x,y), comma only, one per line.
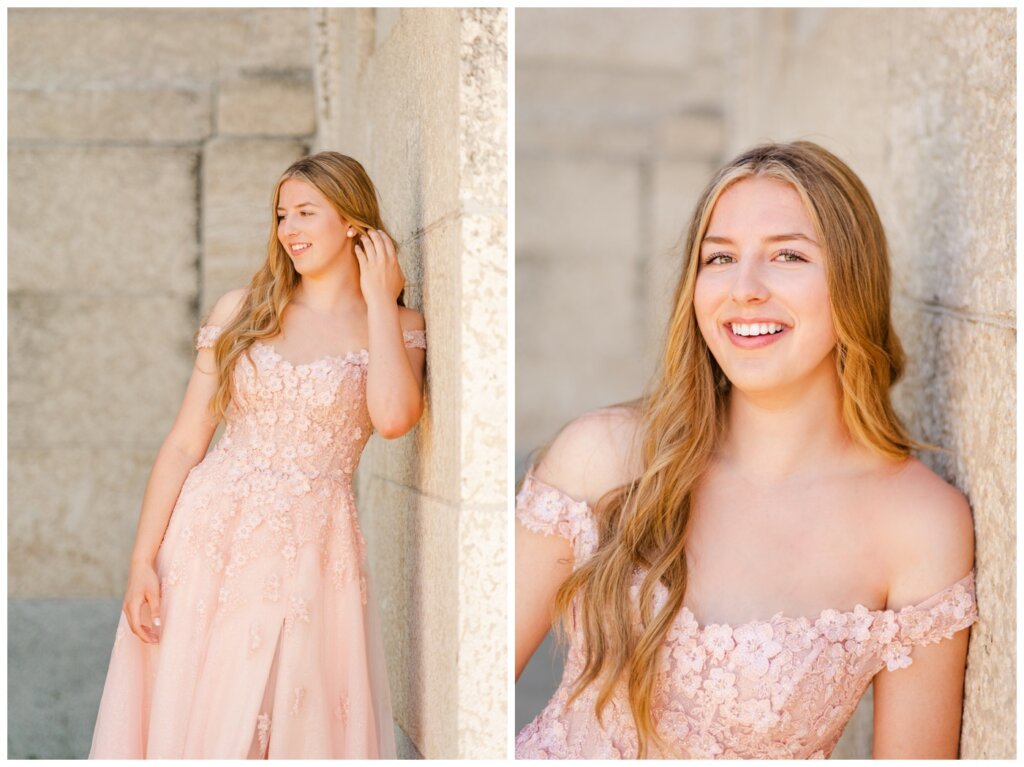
(248,628)
(734,558)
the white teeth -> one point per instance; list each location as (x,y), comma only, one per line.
(297,248)
(756,328)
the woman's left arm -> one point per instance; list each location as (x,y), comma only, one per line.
(394,378)
(918,708)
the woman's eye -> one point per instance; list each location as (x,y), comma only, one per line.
(716,259)
(789,257)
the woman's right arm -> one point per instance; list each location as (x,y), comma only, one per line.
(543,562)
(589,457)
(183,448)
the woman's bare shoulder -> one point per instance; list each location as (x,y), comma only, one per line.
(226,307)
(594,453)
(926,530)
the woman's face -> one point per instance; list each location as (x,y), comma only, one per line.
(310,229)
(761,296)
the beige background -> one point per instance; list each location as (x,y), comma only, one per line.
(622,116)
(144,146)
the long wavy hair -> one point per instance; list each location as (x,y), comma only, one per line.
(644,523)
(345,183)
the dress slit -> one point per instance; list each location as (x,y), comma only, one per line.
(260,747)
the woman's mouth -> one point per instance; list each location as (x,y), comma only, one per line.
(754,335)
(299,247)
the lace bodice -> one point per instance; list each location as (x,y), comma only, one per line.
(777,688)
(308,419)
(293,438)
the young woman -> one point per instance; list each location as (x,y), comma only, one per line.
(247,631)
(738,555)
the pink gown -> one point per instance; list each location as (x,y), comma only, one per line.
(268,646)
(781,688)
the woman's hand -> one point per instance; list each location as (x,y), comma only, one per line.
(380,276)
(143,592)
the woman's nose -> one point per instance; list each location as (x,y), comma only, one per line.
(749,286)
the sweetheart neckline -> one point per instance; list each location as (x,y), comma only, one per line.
(360,354)
(780,616)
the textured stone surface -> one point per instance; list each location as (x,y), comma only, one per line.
(954,397)
(93,498)
(579,290)
(127,114)
(91,370)
(262,106)
(124,46)
(418,97)
(108,232)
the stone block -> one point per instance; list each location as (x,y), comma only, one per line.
(238,178)
(959,395)
(483,405)
(170,115)
(417,538)
(127,46)
(695,137)
(571,96)
(953,180)
(58,651)
(438,438)
(73,512)
(578,211)
(578,344)
(89,372)
(620,38)
(96,220)
(539,137)
(280,106)
(483,98)
(483,630)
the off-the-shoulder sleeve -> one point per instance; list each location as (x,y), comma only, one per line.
(207,336)
(936,618)
(415,339)
(546,509)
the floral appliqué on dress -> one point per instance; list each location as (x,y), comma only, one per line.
(781,688)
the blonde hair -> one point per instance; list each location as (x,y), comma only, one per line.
(644,524)
(345,183)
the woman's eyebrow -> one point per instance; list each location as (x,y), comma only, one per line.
(300,205)
(771,238)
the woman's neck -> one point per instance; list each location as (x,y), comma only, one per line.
(772,437)
(332,292)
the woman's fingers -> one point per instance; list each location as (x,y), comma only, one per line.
(133,611)
(154,609)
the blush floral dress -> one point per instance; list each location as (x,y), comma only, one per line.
(267,647)
(781,688)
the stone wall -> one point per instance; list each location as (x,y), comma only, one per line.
(419,96)
(143,147)
(920,103)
